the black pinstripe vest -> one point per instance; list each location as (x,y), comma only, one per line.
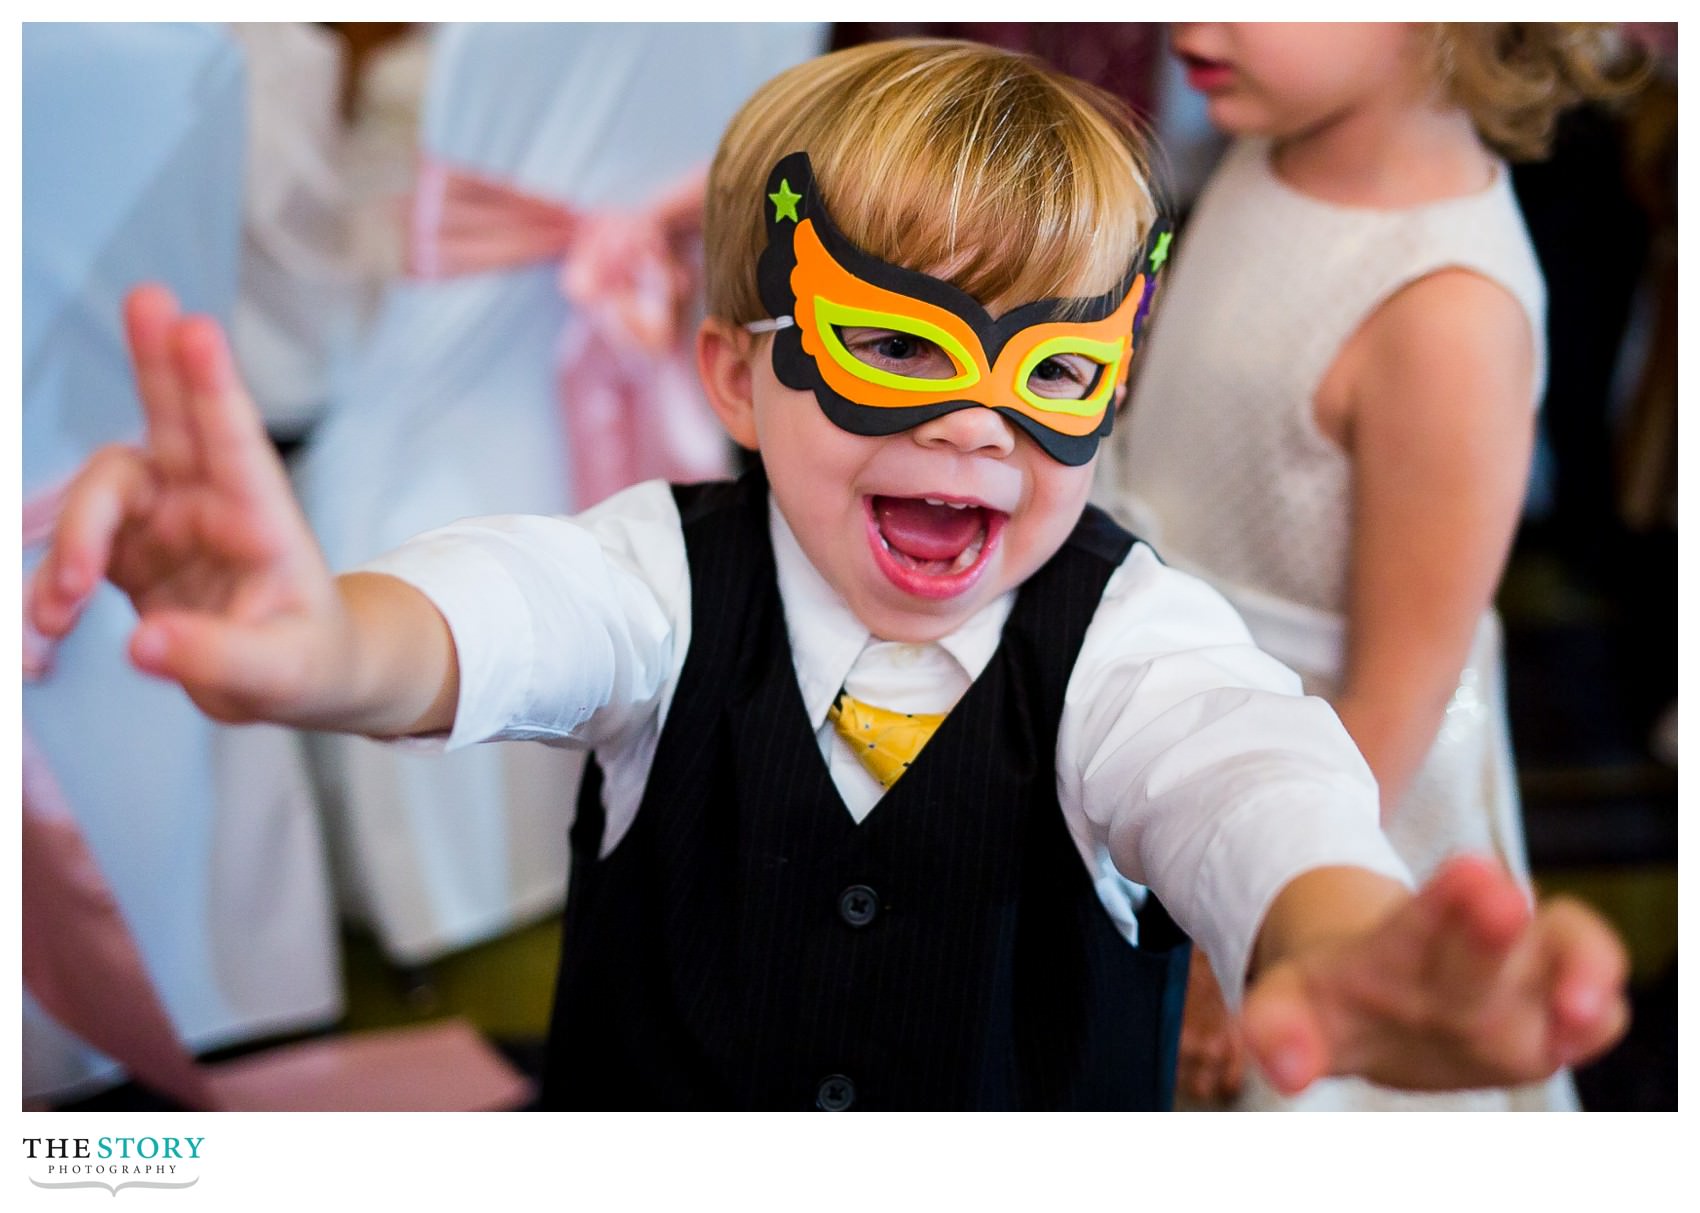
(749,945)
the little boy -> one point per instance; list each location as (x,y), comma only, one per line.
(789,891)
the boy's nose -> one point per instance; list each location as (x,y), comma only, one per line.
(974,430)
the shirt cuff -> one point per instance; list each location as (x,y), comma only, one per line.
(491,623)
(1261,847)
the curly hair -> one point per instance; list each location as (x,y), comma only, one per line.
(1515,78)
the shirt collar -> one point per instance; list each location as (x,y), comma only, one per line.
(827,638)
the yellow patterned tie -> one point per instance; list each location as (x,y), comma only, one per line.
(886,742)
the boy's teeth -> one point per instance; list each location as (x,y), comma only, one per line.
(918,535)
(966,558)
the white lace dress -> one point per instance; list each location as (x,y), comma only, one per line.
(1219,463)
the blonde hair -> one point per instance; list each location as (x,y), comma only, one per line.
(1514,78)
(984,167)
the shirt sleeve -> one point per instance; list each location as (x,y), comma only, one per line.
(1198,762)
(565,629)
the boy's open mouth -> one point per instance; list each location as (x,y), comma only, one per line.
(934,547)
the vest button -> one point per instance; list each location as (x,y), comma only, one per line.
(858,905)
(835,1094)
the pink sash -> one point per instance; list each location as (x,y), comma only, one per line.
(83,966)
(630,404)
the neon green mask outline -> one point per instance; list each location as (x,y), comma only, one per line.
(1106,354)
(830,317)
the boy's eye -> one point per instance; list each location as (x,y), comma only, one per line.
(1064,377)
(899,353)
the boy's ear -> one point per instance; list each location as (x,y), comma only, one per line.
(726,355)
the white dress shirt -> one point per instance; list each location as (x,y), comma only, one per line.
(1187,760)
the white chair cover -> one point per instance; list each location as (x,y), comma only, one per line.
(132,170)
(452,412)
(304,297)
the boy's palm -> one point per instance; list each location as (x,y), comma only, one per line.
(199,528)
(1461,987)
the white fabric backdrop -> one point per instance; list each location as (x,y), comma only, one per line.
(132,170)
(451,411)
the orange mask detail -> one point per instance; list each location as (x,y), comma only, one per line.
(812,274)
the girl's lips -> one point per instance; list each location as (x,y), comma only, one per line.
(932,585)
(1206,75)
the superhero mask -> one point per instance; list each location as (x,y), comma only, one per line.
(1050,367)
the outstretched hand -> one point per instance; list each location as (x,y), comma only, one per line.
(1461,986)
(199,528)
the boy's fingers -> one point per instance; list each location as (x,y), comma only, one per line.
(1282,1034)
(1479,915)
(1233,1074)
(1575,1044)
(1212,1064)
(1212,1074)
(229,435)
(249,670)
(116,484)
(1589,969)
(150,322)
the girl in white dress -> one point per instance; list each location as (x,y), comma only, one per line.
(1335,416)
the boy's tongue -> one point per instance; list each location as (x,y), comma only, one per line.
(927,532)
